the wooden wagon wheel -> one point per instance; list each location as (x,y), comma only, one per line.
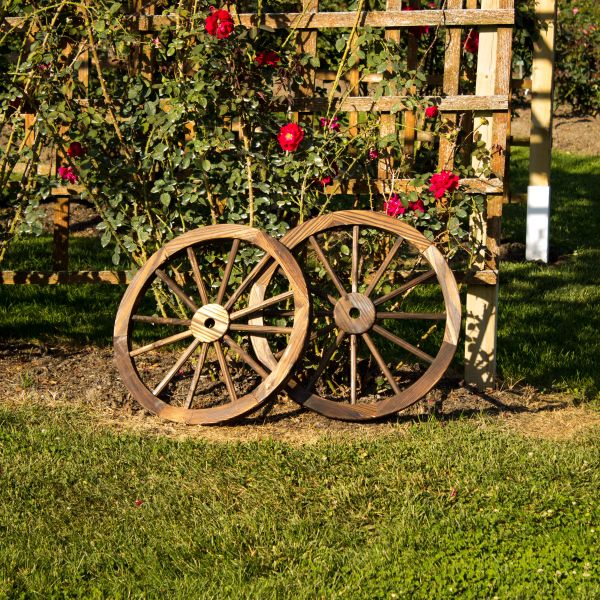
(189,303)
(362,306)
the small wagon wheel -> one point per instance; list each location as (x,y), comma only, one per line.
(376,315)
(181,331)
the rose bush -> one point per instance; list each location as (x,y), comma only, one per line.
(194,124)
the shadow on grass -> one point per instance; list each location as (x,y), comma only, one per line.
(549,320)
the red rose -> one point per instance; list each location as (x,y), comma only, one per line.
(268,58)
(443,182)
(471,44)
(331,123)
(431,112)
(290,136)
(373,154)
(75,150)
(325,181)
(67,174)
(416,206)
(219,23)
(393,206)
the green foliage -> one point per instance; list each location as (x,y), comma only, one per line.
(578,56)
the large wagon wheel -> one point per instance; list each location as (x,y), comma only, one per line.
(376,315)
(189,304)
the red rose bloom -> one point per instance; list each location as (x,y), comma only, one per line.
(471,44)
(290,136)
(393,206)
(331,123)
(373,154)
(219,23)
(443,182)
(67,174)
(325,181)
(75,150)
(431,112)
(268,58)
(416,206)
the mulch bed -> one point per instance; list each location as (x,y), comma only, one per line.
(87,378)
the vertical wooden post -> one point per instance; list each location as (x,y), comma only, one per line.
(306,43)
(542,88)
(60,249)
(450,85)
(62,204)
(493,77)
(387,121)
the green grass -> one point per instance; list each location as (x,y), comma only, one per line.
(426,512)
(548,314)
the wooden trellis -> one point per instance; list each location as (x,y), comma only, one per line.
(488,108)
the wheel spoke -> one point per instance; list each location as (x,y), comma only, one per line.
(403,288)
(175,368)
(176,290)
(325,359)
(161,320)
(197,276)
(256,271)
(412,316)
(228,268)
(163,342)
(259,329)
(403,344)
(244,312)
(196,377)
(323,260)
(225,371)
(378,358)
(384,265)
(355,235)
(353,341)
(259,369)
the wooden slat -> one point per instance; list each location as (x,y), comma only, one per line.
(384,186)
(450,86)
(345,19)
(435,18)
(389,103)
(387,122)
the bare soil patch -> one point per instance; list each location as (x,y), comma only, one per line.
(580,135)
(87,379)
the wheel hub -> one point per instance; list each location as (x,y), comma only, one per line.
(210,323)
(354,313)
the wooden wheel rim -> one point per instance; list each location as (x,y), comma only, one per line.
(447,282)
(280,370)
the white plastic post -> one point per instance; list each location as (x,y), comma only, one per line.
(538,222)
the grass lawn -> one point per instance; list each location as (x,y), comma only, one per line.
(431,509)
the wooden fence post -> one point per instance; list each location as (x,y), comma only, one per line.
(542,88)
(493,77)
